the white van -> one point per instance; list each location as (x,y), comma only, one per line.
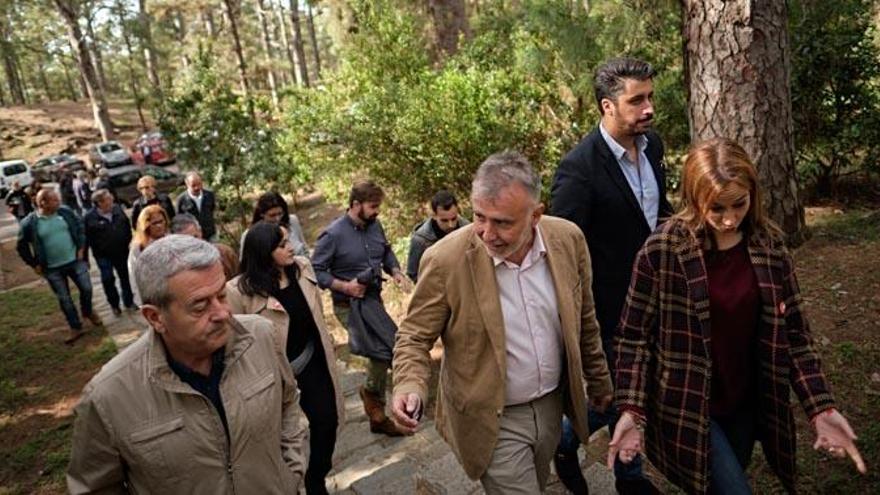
(11,171)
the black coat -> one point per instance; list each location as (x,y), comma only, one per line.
(590,190)
(108,239)
(160,199)
(186,204)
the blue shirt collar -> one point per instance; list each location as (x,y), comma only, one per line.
(617,150)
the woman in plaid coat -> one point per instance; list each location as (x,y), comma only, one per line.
(712,339)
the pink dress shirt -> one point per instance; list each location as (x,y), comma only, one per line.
(532,330)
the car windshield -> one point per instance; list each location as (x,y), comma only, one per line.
(14,169)
(105,148)
(125,179)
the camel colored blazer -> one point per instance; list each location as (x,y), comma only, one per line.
(456,299)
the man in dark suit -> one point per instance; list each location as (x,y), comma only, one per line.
(198,202)
(612,186)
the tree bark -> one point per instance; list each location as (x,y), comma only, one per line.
(44,81)
(68,82)
(737,59)
(232,15)
(180,35)
(288,50)
(10,63)
(78,43)
(450,22)
(298,48)
(267,49)
(132,74)
(95,52)
(147,45)
(314,36)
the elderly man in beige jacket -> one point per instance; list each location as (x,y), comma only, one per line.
(203,402)
(510,296)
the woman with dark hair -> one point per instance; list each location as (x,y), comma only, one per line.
(271,207)
(276,284)
(713,338)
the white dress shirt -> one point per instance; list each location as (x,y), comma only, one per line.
(532,330)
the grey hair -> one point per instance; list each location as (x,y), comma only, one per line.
(191,174)
(183,220)
(99,195)
(503,169)
(166,258)
(609,79)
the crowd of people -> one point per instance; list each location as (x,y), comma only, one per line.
(681,330)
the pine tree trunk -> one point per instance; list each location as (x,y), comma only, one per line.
(232,15)
(288,50)
(180,35)
(737,58)
(90,80)
(47,89)
(450,22)
(95,52)
(68,82)
(315,48)
(10,64)
(132,74)
(299,50)
(267,49)
(147,45)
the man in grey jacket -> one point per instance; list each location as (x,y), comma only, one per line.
(444,219)
(203,402)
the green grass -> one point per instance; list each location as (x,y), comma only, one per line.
(854,226)
(38,370)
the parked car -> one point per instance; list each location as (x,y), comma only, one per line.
(11,171)
(124,181)
(109,154)
(159,153)
(46,169)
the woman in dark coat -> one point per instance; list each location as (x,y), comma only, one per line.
(712,339)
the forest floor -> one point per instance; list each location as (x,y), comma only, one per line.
(40,378)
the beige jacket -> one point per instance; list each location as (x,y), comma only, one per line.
(140,429)
(273,311)
(456,299)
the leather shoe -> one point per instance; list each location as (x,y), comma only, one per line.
(569,471)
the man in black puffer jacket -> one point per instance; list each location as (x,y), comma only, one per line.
(108,234)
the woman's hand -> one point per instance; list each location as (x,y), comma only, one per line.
(627,441)
(834,435)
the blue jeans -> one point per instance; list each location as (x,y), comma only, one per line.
(78,272)
(569,442)
(108,281)
(731,442)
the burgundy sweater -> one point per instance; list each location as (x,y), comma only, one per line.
(734,306)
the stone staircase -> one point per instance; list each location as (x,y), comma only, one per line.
(366,463)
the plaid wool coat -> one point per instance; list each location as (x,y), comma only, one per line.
(664,364)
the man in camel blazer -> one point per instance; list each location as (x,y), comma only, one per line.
(510,296)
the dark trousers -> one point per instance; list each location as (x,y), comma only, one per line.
(108,280)
(78,271)
(569,441)
(318,402)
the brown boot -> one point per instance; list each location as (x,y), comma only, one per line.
(375,409)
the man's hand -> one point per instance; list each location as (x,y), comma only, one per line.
(402,281)
(38,270)
(834,435)
(407,411)
(354,288)
(600,403)
(627,440)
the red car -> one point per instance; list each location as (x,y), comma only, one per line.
(151,148)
